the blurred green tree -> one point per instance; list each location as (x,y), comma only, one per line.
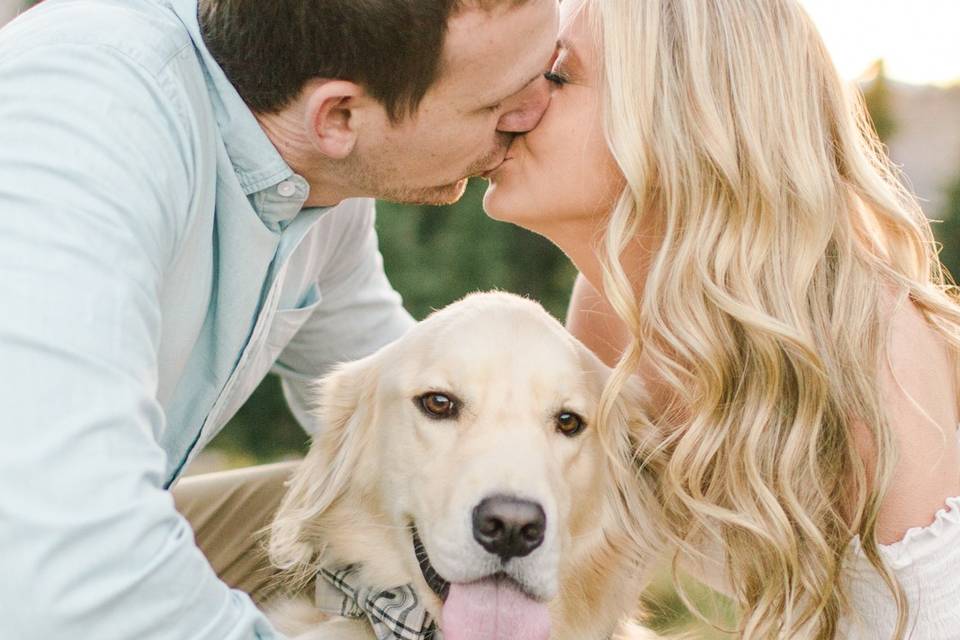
(877,95)
(948,231)
(435,255)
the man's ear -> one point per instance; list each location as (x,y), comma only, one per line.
(331,124)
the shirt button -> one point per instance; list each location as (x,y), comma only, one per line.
(286,189)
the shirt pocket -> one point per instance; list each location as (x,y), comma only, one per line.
(259,356)
(287,322)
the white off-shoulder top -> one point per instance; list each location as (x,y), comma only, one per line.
(926,561)
(927,564)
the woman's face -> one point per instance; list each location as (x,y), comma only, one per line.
(561,174)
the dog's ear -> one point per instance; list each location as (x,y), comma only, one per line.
(345,411)
(630,441)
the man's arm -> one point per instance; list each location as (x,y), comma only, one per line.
(359,311)
(93,189)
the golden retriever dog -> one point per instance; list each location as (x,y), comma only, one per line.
(465,460)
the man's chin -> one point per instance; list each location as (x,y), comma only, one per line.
(433,196)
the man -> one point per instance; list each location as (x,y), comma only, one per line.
(177,216)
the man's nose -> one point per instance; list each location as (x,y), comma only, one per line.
(523,110)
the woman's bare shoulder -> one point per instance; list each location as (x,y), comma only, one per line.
(918,385)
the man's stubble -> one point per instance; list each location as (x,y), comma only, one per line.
(386,183)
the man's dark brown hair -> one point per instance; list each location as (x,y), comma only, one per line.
(270,48)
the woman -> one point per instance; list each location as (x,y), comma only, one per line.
(778,292)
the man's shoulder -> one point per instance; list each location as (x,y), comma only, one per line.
(147,32)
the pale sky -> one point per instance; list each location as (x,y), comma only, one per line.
(918,39)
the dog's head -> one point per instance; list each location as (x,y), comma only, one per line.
(466,459)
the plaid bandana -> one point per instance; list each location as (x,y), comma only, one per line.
(396,614)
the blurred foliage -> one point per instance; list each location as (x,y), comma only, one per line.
(948,231)
(435,255)
(876,95)
(662,609)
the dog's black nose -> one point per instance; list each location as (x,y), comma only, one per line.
(509,527)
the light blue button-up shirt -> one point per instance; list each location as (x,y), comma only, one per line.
(155,263)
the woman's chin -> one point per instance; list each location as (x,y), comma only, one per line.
(499,202)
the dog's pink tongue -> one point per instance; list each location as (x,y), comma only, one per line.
(493,610)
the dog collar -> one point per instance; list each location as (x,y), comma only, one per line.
(437,584)
(394,614)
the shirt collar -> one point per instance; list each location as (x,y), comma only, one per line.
(279,205)
(255,160)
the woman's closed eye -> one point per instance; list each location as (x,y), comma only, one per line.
(555,78)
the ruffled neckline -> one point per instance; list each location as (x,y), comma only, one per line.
(921,541)
(948,516)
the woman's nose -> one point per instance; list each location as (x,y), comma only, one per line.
(523,110)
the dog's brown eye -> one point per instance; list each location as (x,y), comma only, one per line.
(570,424)
(438,405)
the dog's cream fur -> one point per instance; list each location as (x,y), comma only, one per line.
(379,465)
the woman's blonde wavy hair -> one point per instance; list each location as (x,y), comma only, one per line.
(765,308)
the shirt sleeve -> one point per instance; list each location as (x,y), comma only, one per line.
(94,185)
(359,310)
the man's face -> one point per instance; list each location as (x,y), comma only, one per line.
(490,87)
